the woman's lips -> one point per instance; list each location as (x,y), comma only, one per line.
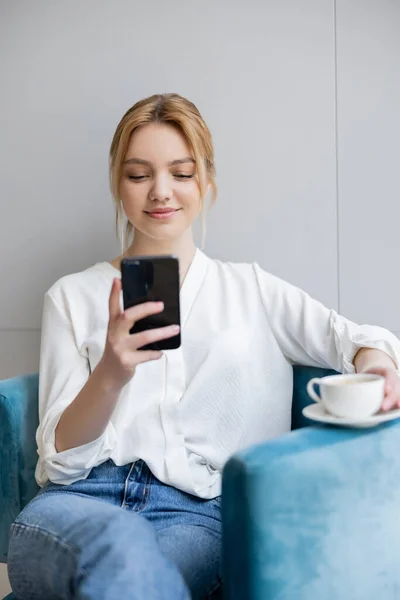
(161,214)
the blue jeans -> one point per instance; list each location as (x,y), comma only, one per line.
(119,534)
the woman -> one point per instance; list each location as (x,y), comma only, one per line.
(132,443)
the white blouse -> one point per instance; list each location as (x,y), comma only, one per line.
(228,386)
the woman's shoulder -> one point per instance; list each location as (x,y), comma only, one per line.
(88,281)
(238,269)
(250,275)
(230,266)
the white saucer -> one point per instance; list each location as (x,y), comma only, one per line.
(317,412)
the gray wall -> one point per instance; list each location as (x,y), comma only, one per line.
(302,99)
(368,131)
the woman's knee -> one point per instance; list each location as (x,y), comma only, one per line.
(45,543)
(60,542)
(39,563)
(77,521)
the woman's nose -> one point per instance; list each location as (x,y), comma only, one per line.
(162,189)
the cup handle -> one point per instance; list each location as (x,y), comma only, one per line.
(310,389)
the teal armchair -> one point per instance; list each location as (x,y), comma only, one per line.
(312,515)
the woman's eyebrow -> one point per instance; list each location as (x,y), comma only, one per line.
(178,161)
(137,161)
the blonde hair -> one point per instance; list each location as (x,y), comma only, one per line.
(171,109)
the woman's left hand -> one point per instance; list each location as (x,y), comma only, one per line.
(392,386)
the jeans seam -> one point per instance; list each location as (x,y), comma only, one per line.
(51,535)
(213,589)
(146,495)
(200,525)
(66,545)
(126,485)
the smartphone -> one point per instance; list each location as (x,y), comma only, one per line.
(153,279)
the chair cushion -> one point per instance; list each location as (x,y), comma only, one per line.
(18,423)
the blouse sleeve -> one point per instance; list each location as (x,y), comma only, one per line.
(64,370)
(309,333)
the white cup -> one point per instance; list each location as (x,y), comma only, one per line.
(353,396)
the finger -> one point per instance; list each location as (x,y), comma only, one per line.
(154,335)
(114,306)
(389,385)
(135,313)
(390,401)
(147,355)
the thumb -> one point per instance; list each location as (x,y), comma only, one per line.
(114,302)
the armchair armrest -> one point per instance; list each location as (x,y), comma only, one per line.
(314,514)
(18,456)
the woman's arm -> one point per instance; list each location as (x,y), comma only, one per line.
(368,358)
(76,407)
(311,334)
(63,375)
(88,415)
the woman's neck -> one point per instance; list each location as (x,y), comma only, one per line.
(183,248)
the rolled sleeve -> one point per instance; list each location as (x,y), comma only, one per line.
(311,334)
(73,464)
(64,370)
(350,338)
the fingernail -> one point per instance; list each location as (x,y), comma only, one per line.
(160,304)
(175,328)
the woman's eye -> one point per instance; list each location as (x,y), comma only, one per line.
(181,176)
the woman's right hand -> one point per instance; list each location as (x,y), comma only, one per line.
(121,354)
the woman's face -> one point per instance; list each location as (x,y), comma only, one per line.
(159,186)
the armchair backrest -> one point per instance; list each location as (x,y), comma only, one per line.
(301,376)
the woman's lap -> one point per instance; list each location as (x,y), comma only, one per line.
(139,514)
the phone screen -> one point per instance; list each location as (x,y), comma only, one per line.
(153,279)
